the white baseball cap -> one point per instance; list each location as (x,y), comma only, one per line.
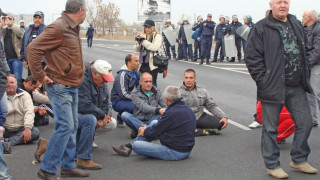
(105,69)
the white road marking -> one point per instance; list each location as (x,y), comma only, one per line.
(238,125)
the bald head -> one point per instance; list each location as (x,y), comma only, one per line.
(309,17)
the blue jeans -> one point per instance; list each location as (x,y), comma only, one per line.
(206,45)
(62,145)
(143,146)
(15,139)
(134,123)
(87,127)
(3,166)
(216,51)
(297,104)
(121,106)
(3,109)
(16,67)
(187,50)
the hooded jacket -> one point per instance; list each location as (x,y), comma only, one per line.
(123,84)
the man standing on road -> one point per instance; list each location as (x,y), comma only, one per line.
(167,44)
(197,99)
(275,57)
(3,81)
(197,43)
(207,31)
(233,28)
(89,35)
(30,34)
(313,48)
(221,31)
(60,45)
(12,36)
(175,130)
(126,80)
(187,48)
(148,105)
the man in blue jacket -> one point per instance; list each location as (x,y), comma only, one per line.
(233,27)
(221,31)
(175,130)
(30,34)
(207,31)
(90,35)
(126,80)
(167,43)
(247,20)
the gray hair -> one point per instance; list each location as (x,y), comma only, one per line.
(312,13)
(73,6)
(271,1)
(172,93)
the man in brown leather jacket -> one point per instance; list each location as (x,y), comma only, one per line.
(60,45)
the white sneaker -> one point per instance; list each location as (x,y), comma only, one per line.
(94,145)
(254,125)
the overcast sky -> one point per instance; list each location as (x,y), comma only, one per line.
(189,8)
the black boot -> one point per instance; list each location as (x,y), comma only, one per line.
(201,62)
(208,62)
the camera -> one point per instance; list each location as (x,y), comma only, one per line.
(140,38)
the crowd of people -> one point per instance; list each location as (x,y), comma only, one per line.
(203,33)
(59,85)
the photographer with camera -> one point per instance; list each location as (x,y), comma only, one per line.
(148,44)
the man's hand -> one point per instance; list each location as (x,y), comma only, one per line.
(204,24)
(198,38)
(35,108)
(141,130)
(108,118)
(2,138)
(100,123)
(46,80)
(42,111)
(225,120)
(25,64)
(162,110)
(26,134)
(179,41)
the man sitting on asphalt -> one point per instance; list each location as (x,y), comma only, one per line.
(148,105)
(198,99)
(175,130)
(29,85)
(19,124)
(92,113)
(126,80)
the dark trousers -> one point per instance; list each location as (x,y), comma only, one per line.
(154,73)
(180,51)
(121,106)
(187,50)
(173,49)
(206,45)
(219,46)
(89,40)
(15,136)
(207,121)
(244,44)
(297,104)
(197,48)
(238,45)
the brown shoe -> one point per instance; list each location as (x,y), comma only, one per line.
(88,164)
(74,173)
(46,175)
(122,150)
(305,167)
(41,149)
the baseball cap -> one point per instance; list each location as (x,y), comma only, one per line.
(149,23)
(38,13)
(105,69)
(210,15)
(2,13)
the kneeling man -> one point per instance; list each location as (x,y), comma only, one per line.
(175,130)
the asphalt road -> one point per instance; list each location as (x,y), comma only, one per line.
(233,155)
